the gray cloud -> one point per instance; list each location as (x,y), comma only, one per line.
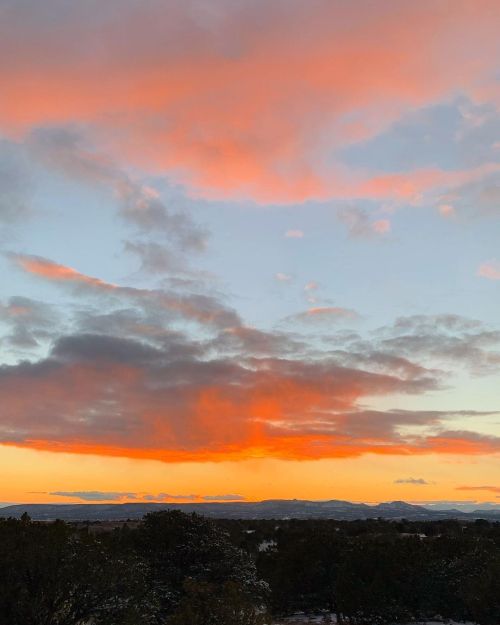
(196,307)
(64,149)
(155,258)
(478,199)
(168,497)
(126,382)
(417,481)
(253,342)
(95,348)
(430,342)
(30,322)
(15,183)
(153,329)
(227,497)
(110,391)
(98,495)
(95,495)
(360,223)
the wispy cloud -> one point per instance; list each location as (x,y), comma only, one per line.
(311,286)
(65,149)
(489,270)
(381,226)
(294,234)
(446,210)
(490,489)
(324,314)
(283,277)
(361,225)
(203,309)
(443,340)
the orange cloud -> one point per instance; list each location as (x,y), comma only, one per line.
(446,210)
(324,314)
(119,397)
(330,310)
(411,186)
(200,308)
(53,271)
(489,270)
(464,443)
(491,489)
(252,99)
(382,226)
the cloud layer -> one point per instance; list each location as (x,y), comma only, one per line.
(276,102)
(131,381)
(247,99)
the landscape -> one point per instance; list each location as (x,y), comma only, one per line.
(271,509)
(249,312)
(185,569)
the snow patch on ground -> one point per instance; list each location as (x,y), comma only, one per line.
(267,544)
(329,619)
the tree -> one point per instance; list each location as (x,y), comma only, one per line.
(209,604)
(180,547)
(51,574)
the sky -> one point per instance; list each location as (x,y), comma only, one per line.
(249,249)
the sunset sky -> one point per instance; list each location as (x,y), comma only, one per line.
(249,249)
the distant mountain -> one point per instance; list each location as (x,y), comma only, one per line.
(269,509)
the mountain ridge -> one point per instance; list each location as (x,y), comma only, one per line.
(266,509)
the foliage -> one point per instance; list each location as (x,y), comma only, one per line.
(55,574)
(178,569)
(381,572)
(208,604)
